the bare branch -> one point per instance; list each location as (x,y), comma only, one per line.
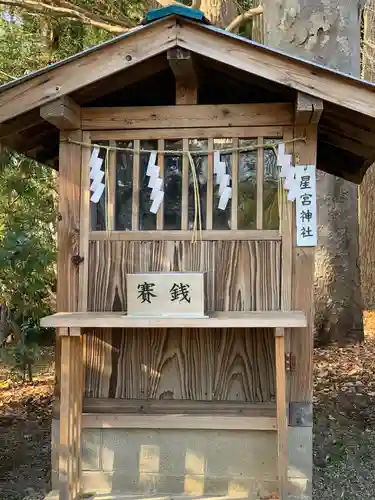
(7,75)
(69,10)
(246,16)
(196,4)
(126,23)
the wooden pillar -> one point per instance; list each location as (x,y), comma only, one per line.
(300,383)
(297,294)
(301,342)
(70,413)
(307,114)
(65,114)
(282,425)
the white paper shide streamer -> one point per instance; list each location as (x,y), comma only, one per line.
(287,172)
(223,180)
(155,182)
(96,175)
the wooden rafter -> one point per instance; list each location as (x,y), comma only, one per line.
(20,124)
(63,113)
(308,109)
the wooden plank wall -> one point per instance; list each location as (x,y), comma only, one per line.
(187,364)
(241,275)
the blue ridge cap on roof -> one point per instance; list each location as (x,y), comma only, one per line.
(177,10)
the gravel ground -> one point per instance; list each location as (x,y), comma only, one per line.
(344,428)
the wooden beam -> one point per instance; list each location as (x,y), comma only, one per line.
(177,235)
(211,422)
(51,83)
(63,113)
(182,64)
(187,133)
(122,118)
(238,319)
(308,109)
(172,406)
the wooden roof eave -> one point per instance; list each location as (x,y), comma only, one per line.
(20,100)
(84,69)
(237,52)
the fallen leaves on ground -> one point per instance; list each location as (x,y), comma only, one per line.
(344,422)
(25,438)
(344,427)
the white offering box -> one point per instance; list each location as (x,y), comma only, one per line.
(166,294)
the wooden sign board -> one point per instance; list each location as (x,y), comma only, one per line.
(166,294)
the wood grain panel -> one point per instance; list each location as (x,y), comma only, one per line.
(98,359)
(241,275)
(181,364)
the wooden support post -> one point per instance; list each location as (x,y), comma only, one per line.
(235,177)
(71,242)
(210,184)
(301,341)
(111,192)
(136,183)
(301,379)
(260,184)
(185,186)
(308,109)
(70,414)
(68,230)
(182,64)
(63,113)
(85,220)
(161,164)
(281,418)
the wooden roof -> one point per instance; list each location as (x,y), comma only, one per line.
(137,62)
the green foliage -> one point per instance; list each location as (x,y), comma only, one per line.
(22,354)
(27,237)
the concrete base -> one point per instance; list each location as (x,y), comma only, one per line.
(141,463)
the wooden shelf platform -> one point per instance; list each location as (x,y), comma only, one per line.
(253,319)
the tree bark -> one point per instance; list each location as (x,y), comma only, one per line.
(328,32)
(367,192)
(219,12)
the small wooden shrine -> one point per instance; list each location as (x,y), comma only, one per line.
(187,164)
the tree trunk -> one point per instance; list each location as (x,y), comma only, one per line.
(219,12)
(367,192)
(328,32)
(3,323)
